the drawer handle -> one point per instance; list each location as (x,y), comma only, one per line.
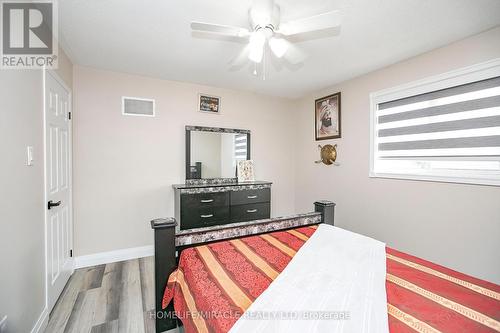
(207,216)
(207,200)
(251,210)
(252,197)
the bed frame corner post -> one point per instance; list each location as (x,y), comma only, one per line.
(165,264)
(327,210)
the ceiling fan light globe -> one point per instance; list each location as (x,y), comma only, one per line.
(256,55)
(279,46)
(256,46)
(258,37)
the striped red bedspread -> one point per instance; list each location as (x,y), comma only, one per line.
(215,283)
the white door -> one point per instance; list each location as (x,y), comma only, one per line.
(58,208)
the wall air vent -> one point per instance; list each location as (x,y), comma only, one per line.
(134,106)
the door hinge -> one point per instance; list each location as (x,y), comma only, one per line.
(71,253)
(69,115)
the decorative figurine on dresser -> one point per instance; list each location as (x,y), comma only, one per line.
(212,195)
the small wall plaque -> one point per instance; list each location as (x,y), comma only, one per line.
(209,104)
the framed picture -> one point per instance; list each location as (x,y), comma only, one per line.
(327,117)
(245,171)
(209,104)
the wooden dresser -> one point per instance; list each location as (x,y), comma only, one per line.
(205,203)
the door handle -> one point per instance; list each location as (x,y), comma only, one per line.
(251,210)
(207,200)
(51,204)
(252,197)
(207,216)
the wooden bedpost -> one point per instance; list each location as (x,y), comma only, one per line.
(327,210)
(165,264)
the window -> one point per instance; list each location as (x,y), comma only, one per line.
(445,128)
(240,147)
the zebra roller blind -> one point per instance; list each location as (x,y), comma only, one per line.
(459,121)
(240,147)
(452,133)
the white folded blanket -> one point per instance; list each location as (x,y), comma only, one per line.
(335,283)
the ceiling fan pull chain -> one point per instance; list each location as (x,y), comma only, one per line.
(264,65)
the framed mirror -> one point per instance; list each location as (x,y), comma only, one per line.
(213,152)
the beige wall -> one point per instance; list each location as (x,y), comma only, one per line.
(124,167)
(65,69)
(22,200)
(454,225)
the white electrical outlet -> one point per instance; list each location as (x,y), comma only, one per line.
(3,325)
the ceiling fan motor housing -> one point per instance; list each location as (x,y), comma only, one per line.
(261,17)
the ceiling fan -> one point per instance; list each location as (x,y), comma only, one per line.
(267,30)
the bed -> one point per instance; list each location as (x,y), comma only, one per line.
(221,279)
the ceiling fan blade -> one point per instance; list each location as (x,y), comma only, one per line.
(219,29)
(218,37)
(240,60)
(325,21)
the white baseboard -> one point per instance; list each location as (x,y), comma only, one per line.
(42,322)
(113,256)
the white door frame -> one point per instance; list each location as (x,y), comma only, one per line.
(56,77)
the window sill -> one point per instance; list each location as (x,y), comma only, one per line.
(440,179)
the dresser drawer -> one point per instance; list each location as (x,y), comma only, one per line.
(204,217)
(250,196)
(256,211)
(204,200)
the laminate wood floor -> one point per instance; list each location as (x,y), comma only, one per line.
(116,297)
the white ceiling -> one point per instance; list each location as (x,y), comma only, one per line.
(153,38)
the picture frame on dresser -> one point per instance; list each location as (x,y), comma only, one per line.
(245,171)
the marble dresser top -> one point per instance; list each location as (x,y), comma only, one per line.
(222,184)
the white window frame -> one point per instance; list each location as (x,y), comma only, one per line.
(465,75)
(139,99)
